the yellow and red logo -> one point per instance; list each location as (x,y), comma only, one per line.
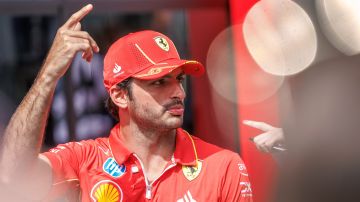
(191,172)
(106,191)
(162,43)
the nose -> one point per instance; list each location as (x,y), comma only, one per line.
(178,91)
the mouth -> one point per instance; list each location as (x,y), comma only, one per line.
(176,110)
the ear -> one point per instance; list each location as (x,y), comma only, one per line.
(119,97)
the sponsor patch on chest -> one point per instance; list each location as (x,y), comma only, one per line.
(106,191)
(112,168)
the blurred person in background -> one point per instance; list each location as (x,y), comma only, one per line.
(322,161)
(147,156)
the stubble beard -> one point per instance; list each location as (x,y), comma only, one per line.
(151,119)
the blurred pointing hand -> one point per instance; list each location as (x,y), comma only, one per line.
(270,140)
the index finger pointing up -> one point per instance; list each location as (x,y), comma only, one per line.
(78,16)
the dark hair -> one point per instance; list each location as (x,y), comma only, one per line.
(111,106)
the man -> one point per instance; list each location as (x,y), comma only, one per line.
(147,156)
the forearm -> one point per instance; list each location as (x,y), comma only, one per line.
(24,134)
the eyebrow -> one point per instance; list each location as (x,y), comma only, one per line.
(182,73)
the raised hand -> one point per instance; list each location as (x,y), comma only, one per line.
(68,41)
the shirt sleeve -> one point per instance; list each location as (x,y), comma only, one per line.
(236,185)
(65,165)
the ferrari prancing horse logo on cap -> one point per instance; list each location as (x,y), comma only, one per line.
(191,172)
(162,43)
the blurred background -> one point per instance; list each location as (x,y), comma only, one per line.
(292,64)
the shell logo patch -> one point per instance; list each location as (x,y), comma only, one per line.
(191,172)
(162,43)
(112,168)
(106,191)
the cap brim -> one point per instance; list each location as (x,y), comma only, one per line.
(158,70)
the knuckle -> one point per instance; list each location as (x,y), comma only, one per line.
(87,35)
(85,47)
(61,30)
(73,17)
(66,38)
(68,47)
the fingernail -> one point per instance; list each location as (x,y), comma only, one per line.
(88,7)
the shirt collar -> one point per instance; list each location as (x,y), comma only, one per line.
(185,150)
(118,149)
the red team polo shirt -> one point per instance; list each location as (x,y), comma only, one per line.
(104,170)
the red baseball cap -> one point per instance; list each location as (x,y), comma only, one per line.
(144,55)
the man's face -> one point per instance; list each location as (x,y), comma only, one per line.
(158,104)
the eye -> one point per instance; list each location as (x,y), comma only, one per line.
(181,78)
(159,82)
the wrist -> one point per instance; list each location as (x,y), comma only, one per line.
(49,73)
(47,79)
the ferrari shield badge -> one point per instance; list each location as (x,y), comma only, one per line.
(162,43)
(191,172)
